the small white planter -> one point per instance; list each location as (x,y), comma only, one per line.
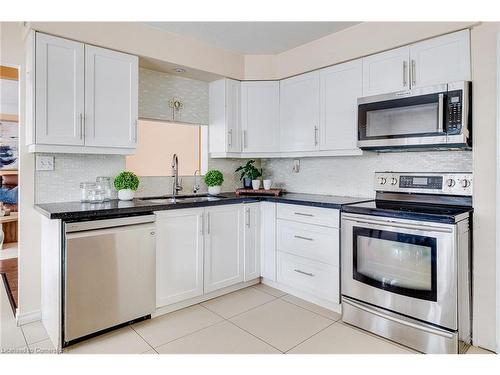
(256,184)
(126,194)
(267,184)
(214,190)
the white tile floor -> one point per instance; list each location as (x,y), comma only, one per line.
(255,320)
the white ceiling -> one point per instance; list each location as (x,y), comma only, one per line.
(254,37)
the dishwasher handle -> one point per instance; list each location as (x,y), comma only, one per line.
(108,223)
(112,230)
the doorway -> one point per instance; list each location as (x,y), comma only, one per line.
(9,162)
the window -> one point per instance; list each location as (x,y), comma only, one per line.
(158,141)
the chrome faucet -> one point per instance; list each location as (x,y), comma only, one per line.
(176,187)
(196,185)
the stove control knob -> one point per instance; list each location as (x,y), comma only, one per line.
(450,182)
(382,180)
(394,181)
(465,183)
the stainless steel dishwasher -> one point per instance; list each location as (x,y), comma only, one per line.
(109,274)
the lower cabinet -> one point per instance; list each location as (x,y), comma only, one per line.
(251,235)
(224,264)
(179,255)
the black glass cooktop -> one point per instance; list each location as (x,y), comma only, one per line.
(406,210)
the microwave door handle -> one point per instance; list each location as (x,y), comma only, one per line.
(440,112)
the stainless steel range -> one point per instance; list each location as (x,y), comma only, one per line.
(406,261)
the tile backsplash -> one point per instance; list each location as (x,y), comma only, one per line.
(63,183)
(353,175)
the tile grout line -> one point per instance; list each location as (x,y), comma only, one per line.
(303,341)
(314,312)
(143,339)
(257,337)
(243,312)
(25,341)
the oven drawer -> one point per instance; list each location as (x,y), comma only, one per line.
(310,241)
(315,278)
(327,217)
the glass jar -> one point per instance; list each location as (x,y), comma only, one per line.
(85,191)
(96,195)
(104,183)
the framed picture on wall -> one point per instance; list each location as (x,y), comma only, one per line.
(9,141)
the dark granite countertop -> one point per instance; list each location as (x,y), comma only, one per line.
(69,211)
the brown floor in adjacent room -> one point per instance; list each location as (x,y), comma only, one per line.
(9,268)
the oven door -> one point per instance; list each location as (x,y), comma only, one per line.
(408,118)
(405,266)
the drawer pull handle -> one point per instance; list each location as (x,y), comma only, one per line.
(304,273)
(304,238)
(303,214)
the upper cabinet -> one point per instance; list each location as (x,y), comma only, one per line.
(81,99)
(299,113)
(224,116)
(340,87)
(59,96)
(260,116)
(434,61)
(386,72)
(441,60)
(111,86)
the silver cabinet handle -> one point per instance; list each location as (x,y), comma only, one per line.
(304,273)
(440,112)
(230,138)
(413,73)
(303,214)
(247,217)
(304,238)
(202,224)
(208,222)
(135,131)
(315,135)
(245,139)
(405,68)
(81,126)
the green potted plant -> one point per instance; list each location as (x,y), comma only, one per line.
(126,183)
(214,180)
(249,173)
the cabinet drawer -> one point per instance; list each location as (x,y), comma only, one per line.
(318,279)
(310,241)
(327,217)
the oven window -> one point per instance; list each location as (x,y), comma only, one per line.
(398,262)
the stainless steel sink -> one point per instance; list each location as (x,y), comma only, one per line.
(182,199)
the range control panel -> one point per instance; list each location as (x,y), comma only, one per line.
(427,183)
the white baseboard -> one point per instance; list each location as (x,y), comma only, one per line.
(29,317)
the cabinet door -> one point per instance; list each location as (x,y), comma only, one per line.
(179,256)
(223,247)
(59,95)
(299,113)
(386,72)
(268,240)
(340,87)
(233,117)
(251,235)
(111,89)
(441,60)
(260,116)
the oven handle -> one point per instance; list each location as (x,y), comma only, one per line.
(434,331)
(394,223)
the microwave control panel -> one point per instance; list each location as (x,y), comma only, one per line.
(454,112)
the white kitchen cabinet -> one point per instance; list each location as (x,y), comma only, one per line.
(224,248)
(299,112)
(340,87)
(111,89)
(251,234)
(268,240)
(386,72)
(179,255)
(59,97)
(224,126)
(441,60)
(260,116)
(430,62)
(80,98)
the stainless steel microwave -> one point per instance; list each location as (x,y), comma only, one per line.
(434,117)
